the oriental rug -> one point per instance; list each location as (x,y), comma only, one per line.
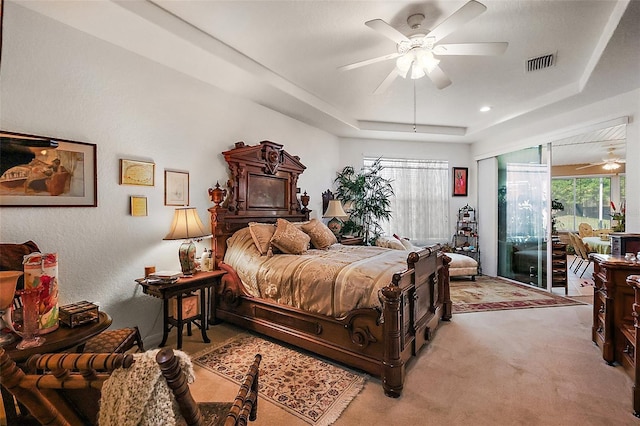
(494,294)
(312,389)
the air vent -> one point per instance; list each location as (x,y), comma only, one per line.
(541,62)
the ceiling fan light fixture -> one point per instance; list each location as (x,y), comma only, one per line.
(404,62)
(417,71)
(611,166)
(426,59)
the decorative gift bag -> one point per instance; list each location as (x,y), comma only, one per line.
(41,270)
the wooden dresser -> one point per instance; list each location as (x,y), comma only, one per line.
(630,352)
(614,329)
(612,305)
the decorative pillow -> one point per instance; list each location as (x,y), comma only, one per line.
(321,236)
(389,242)
(261,234)
(406,244)
(299,225)
(289,238)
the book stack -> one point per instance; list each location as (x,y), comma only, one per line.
(163,277)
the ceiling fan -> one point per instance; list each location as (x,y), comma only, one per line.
(610,162)
(417,54)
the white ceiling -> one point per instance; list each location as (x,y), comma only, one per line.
(285,55)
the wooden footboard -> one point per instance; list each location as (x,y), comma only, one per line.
(377,340)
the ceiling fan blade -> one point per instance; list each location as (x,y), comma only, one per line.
(439,78)
(387,81)
(590,165)
(369,61)
(460,17)
(386,30)
(471,49)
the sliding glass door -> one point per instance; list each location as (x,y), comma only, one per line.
(523,190)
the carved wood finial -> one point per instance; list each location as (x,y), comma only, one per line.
(217,194)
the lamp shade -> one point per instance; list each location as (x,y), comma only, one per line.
(186,224)
(334,209)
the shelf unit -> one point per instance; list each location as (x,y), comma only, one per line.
(559,265)
(465,241)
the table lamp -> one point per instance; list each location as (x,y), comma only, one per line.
(335,212)
(187,226)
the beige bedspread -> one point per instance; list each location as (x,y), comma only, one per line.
(329,282)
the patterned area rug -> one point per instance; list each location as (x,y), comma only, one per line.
(312,389)
(493,294)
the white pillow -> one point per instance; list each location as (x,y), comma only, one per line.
(389,242)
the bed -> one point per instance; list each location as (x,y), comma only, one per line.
(378,333)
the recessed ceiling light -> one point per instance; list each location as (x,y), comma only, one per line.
(485,109)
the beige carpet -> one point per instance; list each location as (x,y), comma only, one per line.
(492,294)
(312,389)
(512,367)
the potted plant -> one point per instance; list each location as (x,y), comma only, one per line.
(367,197)
(556,206)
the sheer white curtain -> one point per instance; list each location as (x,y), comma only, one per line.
(420,206)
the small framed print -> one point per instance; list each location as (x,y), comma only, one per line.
(137,172)
(139,206)
(176,188)
(460,181)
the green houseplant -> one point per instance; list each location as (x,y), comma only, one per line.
(367,197)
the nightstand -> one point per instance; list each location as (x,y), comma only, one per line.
(351,241)
(185,310)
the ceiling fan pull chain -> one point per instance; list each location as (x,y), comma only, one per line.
(414,107)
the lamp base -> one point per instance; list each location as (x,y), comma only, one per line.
(187,255)
(335,225)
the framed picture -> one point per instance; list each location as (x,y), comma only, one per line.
(137,172)
(176,188)
(39,171)
(139,206)
(460,181)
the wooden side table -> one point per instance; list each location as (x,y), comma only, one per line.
(351,241)
(203,281)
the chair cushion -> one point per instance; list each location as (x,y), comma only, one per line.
(462,265)
(119,340)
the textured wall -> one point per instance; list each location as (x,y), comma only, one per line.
(59,82)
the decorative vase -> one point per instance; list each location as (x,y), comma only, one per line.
(41,270)
(30,303)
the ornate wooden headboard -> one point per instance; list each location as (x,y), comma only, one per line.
(262,188)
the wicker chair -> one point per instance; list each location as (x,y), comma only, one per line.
(244,408)
(67,389)
(67,392)
(582,251)
(585,230)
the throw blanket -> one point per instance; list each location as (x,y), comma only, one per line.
(330,282)
(139,395)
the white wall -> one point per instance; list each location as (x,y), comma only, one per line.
(352,152)
(61,83)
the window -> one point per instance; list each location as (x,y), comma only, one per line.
(420,206)
(585,200)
